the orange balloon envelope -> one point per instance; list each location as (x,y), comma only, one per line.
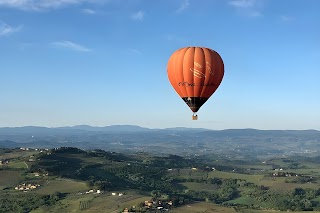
(195,73)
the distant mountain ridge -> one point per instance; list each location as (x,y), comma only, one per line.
(111,128)
(179,140)
(117,128)
(77,128)
(136,128)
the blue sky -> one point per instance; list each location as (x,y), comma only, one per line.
(103,62)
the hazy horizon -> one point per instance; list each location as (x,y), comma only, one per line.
(71,126)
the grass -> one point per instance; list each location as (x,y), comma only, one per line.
(98,203)
(267,211)
(200,186)
(279,183)
(274,183)
(67,205)
(250,178)
(257,167)
(115,203)
(63,186)
(249,201)
(9,178)
(18,154)
(17,165)
(202,207)
(244,200)
(311,171)
(280,162)
(188,173)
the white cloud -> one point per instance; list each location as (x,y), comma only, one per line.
(184,5)
(285,18)
(6,29)
(71,45)
(135,51)
(89,11)
(174,38)
(243,3)
(254,14)
(251,8)
(43,4)
(138,15)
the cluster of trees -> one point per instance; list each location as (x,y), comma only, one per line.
(25,202)
(297,199)
(143,177)
(228,189)
(300,179)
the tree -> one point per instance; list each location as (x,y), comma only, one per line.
(155,194)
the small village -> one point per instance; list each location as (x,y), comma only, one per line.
(153,205)
(26,187)
(91,191)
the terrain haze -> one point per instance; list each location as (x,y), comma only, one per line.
(179,140)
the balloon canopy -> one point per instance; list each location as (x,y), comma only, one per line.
(195,73)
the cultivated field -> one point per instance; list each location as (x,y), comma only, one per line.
(9,178)
(17,153)
(18,165)
(202,207)
(250,178)
(96,203)
(63,186)
(199,186)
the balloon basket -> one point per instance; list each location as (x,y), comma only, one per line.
(194,117)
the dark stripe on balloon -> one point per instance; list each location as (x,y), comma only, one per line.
(194,102)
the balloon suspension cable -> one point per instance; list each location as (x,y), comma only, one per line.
(194,116)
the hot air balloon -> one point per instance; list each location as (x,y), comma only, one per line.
(195,73)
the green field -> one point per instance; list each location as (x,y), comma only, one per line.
(63,186)
(275,183)
(188,173)
(279,162)
(9,178)
(18,165)
(250,178)
(309,171)
(249,201)
(257,167)
(199,186)
(17,153)
(110,203)
(202,207)
(267,211)
(96,203)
